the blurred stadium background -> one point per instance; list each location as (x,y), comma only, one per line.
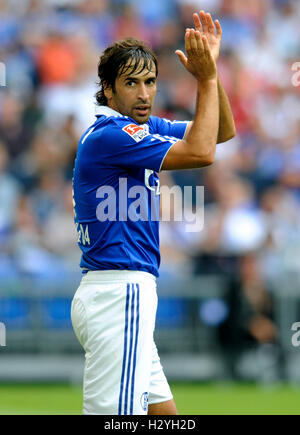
(230,294)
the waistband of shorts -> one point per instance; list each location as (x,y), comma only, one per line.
(117,275)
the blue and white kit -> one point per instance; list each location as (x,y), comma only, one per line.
(116,208)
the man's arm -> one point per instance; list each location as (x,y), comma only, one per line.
(213,31)
(226,120)
(226,130)
(198,147)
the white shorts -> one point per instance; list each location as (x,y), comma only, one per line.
(113,316)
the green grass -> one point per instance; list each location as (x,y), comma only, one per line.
(191,399)
(234,399)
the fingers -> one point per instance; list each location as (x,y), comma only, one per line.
(193,41)
(182,57)
(187,40)
(205,44)
(205,24)
(195,44)
(210,24)
(198,60)
(206,48)
(197,22)
(204,21)
(199,41)
(219,28)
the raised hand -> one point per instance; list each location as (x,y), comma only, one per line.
(199,60)
(212,30)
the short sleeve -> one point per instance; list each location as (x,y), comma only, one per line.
(133,146)
(165,127)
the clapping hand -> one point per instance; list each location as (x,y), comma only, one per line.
(212,30)
(199,59)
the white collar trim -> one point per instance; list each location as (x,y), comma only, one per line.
(106,111)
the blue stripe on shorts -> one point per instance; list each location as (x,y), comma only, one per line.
(132,317)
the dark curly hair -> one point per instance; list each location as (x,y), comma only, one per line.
(126,55)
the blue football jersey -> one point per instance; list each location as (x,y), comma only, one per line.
(116,190)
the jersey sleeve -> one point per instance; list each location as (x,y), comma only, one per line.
(132,146)
(165,127)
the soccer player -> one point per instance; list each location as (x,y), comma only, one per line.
(116,205)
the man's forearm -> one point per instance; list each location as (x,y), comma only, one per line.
(197,148)
(202,135)
(226,120)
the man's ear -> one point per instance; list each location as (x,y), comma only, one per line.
(107,89)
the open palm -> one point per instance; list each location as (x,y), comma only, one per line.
(212,30)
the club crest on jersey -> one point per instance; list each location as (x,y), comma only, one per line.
(137,132)
(144,401)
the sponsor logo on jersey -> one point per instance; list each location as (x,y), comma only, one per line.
(137,132)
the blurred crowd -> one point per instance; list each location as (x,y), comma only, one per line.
(50,49)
